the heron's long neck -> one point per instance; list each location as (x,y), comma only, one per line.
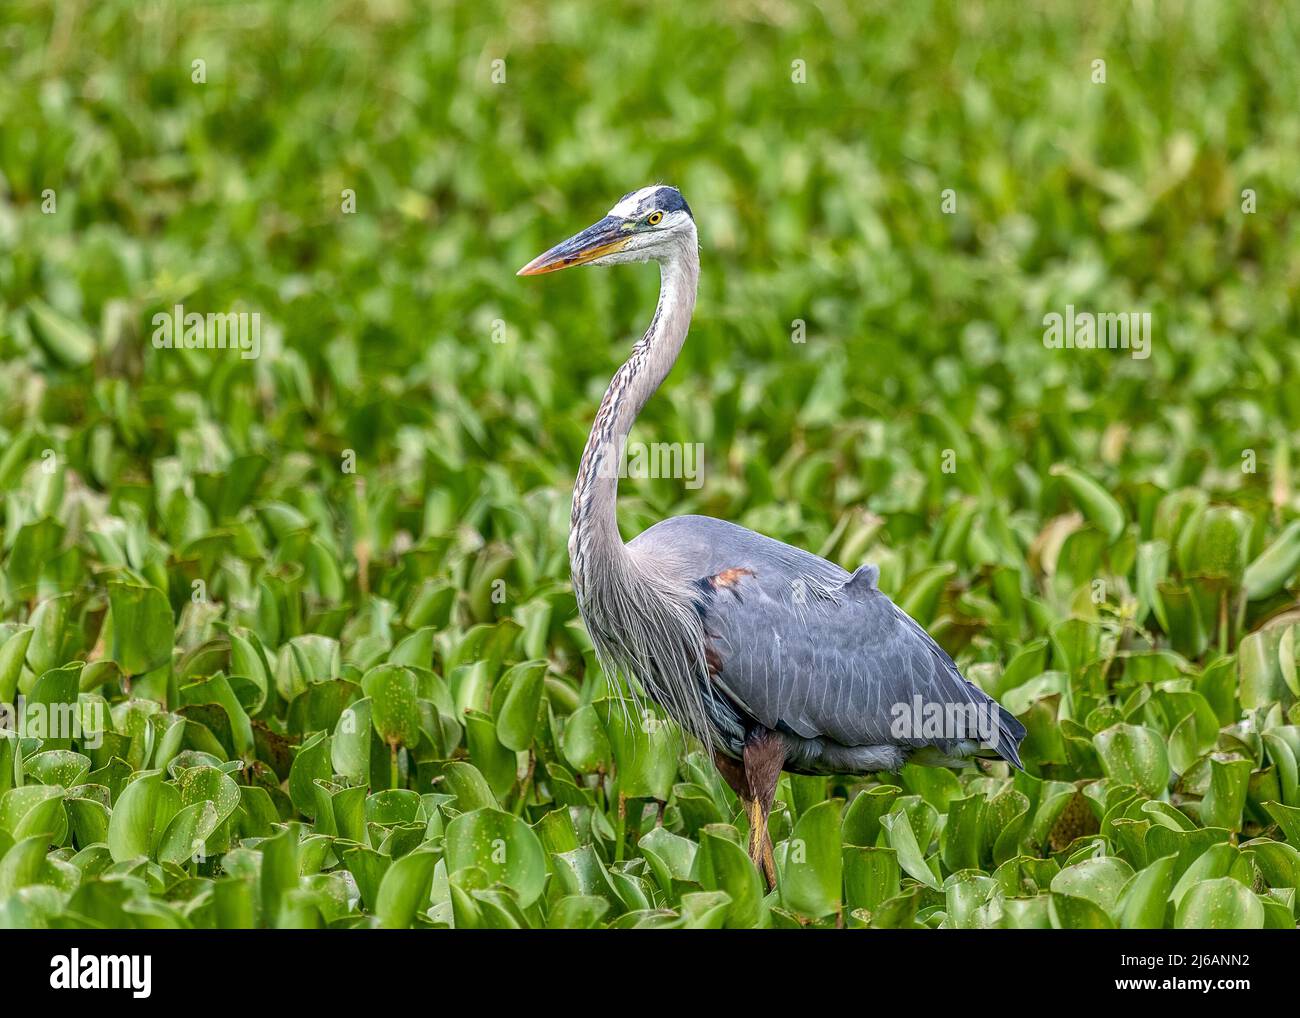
(594,539)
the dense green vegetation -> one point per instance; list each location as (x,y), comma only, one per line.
(310,610)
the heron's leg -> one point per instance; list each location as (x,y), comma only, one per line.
(733,773)
(764,758)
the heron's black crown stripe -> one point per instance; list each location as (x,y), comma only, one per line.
(669,199)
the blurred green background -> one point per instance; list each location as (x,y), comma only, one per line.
(1076,527)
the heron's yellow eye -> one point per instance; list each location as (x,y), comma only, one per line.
(653,218)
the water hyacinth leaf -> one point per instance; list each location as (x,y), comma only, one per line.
(645,748)
(1219,904)
(1070,913)
(88,819)
(471,790)
(208,783)
(1168,816)
(416,650)
(1099,881)
(671,856)
(1277,862)
(14,640)
(936,785)
(184,837)
(722,865)
(1220,543)
(1276,564)
(871,876)
(217,689)
(577,912)
(1260,672)
(393,692)
(318,707)
(22,864)
(57,767)
(963,834)
(51,713)
(312,657)
(404,889)
(705,910)
(142,627)
(310,764)
(368,868)
(1152,570)
(494,761)
(1284,759)
(809,863)
(922,595)
(31,810)
(1183,621)
(584,743)
(1144,903)
(68,340)
(141,815)
(1217,860)
(35,545)
(901,838)
(966,898)
(1288,656)
(278,875)
(1134,755)
(516,701)
(1099,506)
(1288,819)
(502,846)
(1026,913)
(862,818)
(248,661)
(580,871)
(1226,798)
(499,910)
(350,751)
(1006,819)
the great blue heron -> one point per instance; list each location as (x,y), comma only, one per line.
(773,657)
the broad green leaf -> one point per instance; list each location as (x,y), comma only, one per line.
(1134,755)
(1099,881)
(1144,902)
(519,693)
(809,863)
(646,749)
(502,846)
(902,839)
(722,865)
(141,815)
(393,692)
(1219,904)
(142,627)
(404,889)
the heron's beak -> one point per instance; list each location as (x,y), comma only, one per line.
(605,237)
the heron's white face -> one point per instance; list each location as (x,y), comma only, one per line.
(649,224)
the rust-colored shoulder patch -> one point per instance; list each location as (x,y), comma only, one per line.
(729,577)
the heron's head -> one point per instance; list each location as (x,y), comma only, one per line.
(651,224)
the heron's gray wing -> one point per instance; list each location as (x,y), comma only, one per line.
(841,662)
